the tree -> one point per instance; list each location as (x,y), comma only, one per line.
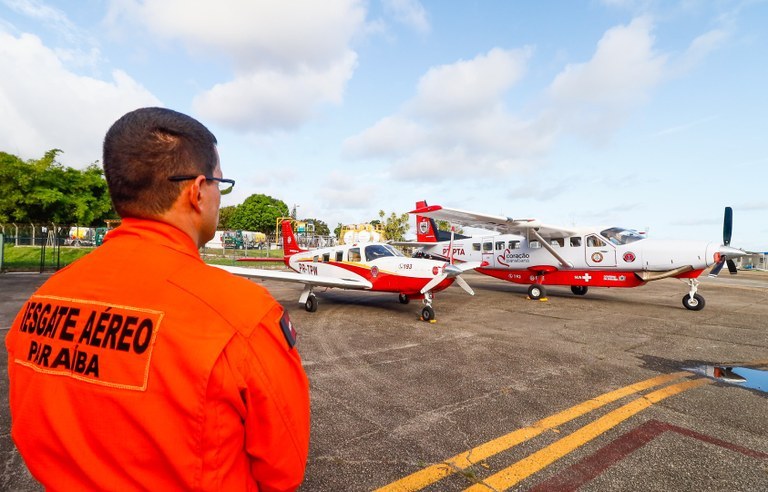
(258,213)
(321,228)
(444,225)
(395,226)
(45,191)
(225,216)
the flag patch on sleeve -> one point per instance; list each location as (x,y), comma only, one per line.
(288,330)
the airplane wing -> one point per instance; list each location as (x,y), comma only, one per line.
(498,223)
(302,278)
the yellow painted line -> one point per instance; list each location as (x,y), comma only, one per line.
(526,467)
(433,473)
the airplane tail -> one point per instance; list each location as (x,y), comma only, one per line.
(290,245)
(426,227)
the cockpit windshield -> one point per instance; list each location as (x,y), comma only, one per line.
(619,235)
(380,250)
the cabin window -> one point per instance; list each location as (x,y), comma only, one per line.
(314,259)
(488,246)
(326,257)
(575,241)
(377,251)
(557,241)
(534,245)
(595,242)
(499,245)
(514,245)
(339,256)
(475,246)
(354,254)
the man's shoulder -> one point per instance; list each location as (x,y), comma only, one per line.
(241,301)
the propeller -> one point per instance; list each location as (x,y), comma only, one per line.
(451,271)
(722,256)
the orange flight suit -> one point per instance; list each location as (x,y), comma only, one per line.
(139,367)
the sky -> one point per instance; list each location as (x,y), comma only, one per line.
(645,114)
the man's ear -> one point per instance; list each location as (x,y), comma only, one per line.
(195,194)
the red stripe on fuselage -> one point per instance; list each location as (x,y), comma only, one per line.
(390,282)
(594,278)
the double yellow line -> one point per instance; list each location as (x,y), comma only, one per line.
(524,468)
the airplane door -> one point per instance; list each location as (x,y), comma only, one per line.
(487,251)
(598,252)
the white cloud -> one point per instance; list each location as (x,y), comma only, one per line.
(288,57)
(45,106)
(339,192)
(593,98)
(408,12)
(263,100)
(457,119)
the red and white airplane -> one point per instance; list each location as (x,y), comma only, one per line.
(530,252)
(377,267)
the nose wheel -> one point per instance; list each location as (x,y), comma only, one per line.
(427,312)
(693,301)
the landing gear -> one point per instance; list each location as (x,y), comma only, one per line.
(427,313)
(311,303)
(692,300)
(536,292)
(579,290)
(403,299)
(695,303)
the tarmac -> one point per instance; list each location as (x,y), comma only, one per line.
(614,390)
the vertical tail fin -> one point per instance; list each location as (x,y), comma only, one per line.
(426,228)
(290,245)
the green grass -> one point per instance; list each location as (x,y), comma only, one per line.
(27,258)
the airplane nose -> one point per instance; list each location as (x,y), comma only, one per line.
(731,252)
(452,270)
(716,251)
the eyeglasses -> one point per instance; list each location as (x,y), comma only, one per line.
(225,185)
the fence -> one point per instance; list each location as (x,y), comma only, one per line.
(38,247)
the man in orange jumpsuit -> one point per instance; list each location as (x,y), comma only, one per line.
(139,367)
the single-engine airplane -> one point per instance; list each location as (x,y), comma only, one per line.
(376,267)
(530,252)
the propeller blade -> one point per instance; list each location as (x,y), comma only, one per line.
(731,266)
(464,285)
(433,283)
(716,269)
(727,225)
(450,248)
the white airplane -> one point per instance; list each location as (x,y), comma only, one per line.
(530,252)
(376,267)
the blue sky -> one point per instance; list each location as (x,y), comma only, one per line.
(640,113)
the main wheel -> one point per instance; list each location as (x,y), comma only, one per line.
(427,314)
(536,292)
(311,304)
(695,304)
(579,290)
(403,299)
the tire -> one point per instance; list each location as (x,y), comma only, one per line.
(695,304)
(579,290)
(427,314)
(403,299)
(311,304)
(536,292)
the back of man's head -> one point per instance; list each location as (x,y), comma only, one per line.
(147,146)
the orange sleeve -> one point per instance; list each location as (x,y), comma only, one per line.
(276,395)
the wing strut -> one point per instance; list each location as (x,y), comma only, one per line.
(565,263)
